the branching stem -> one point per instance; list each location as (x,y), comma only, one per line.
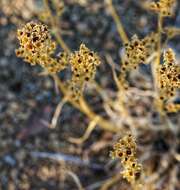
(54,19)
(85,108)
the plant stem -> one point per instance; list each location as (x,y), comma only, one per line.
(55,26)
(158,58)
(118,22)
(85,108)
(111,181)
(81,105)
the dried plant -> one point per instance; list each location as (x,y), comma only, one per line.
(38,48)
(83,64)
(169,80)
(163,7)
(125,150)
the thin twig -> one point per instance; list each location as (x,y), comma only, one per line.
(57,112)
(85,108)
(65,158)
(118,22)
(115,77)
(55,26)
(87,133)
(75,178)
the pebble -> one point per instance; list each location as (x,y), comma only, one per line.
(9,160)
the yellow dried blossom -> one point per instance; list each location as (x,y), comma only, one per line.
(169,75)
(35,40)
(125,149)
(83,64)
(37,47)
(150,41)
(163,7)
(137,51)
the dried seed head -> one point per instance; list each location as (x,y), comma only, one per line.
(169,80)
(37,47)
(125,150)
(83,64)
(137,51)
(35,39)
(164,7)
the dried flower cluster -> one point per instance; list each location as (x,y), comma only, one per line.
(163,7)
(125,149)
(169,75)
(137,51)
(83,64)
(37,47)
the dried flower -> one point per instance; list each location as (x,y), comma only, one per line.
(125,149)
(37,47)
(169,76)
(137,51)
(83,64)
(163,7)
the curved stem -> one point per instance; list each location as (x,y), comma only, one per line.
(87,133)
(81,104)
(58,112)
(85,108)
